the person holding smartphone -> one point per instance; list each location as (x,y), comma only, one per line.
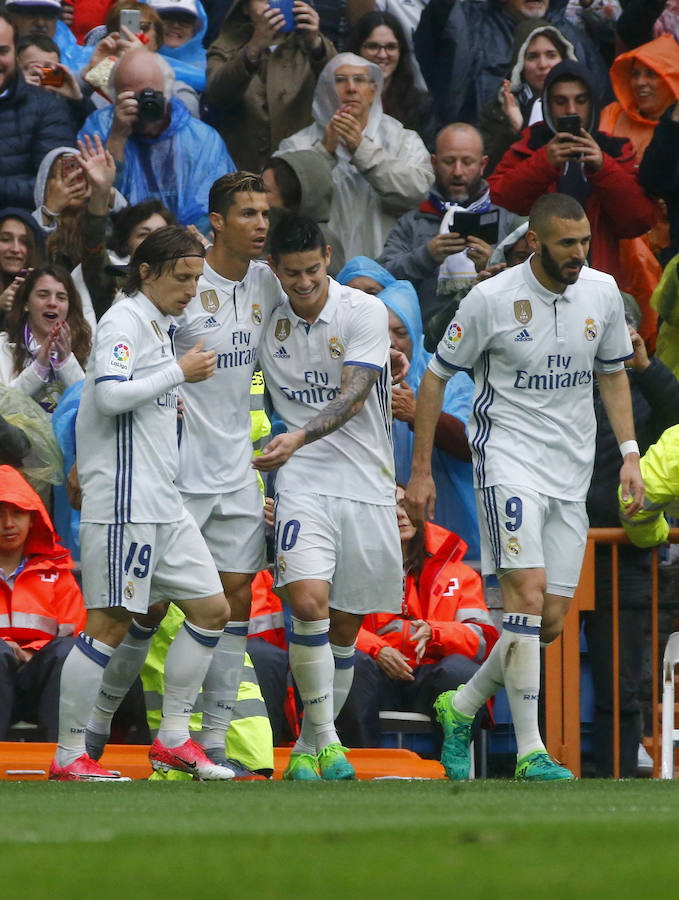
(595,168)
(264,51)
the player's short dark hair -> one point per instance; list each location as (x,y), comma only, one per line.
(160,251)
(222,192)
(295,234)
(558,206)
(125,221)
(287,182)
(41,41)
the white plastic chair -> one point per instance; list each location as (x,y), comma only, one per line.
(670,734)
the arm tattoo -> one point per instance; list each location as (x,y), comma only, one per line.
(357,382)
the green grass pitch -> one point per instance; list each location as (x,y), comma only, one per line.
(388,839)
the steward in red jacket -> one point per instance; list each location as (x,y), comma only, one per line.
(443,634)
(41,608)
(590,165)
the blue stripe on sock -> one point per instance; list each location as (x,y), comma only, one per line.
(344,662)
(141,634)
(518,623)
(309,640)
(236,630)
(203,639)
(84,644)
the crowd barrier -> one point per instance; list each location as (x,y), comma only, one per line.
(562,660)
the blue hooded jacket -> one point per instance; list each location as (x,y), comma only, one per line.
(179,167)
(190,60)
(72,54)
(363,266)
(455,503)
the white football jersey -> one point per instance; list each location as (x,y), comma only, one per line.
(303,365)
(533,354)
(127,463)
(215,452)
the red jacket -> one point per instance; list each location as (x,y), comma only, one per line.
(617,206)
(46,601)
(449,598)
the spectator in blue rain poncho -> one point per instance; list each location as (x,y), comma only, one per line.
(184,25)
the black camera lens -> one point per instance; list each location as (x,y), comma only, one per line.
(150,105)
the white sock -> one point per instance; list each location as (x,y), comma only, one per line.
(486,681)
(341,685)
(126,663)
(220,688)
(313,669)
(520,641)
(81,676)
(186,665)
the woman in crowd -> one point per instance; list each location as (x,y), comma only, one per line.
(21,248)
(379,38)
(261,79)
(538,47)
(184,27)
(47,340)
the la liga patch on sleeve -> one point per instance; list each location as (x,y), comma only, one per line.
(453,336)
(120,361)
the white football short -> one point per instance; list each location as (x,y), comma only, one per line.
(134,565)
(522,529)
(355,546)
(233,527)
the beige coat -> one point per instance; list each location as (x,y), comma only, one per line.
(255,110)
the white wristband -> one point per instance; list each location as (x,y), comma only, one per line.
(629,447)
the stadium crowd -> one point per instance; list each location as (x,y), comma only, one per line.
(244,245)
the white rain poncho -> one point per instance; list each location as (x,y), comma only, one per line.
(389,173)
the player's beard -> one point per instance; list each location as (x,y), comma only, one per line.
(554,270)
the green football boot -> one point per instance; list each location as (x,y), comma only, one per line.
(302,767)
(334,765)
(457,735)
(539,766)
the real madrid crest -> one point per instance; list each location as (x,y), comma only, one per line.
(513,547)
(256,314)
(523,311)
(336,348)
(210,300)
(129,590)
(282,330)
(591,329)
(281,563)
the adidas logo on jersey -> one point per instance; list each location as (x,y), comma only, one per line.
(281,354)
(523,336)
(211,323)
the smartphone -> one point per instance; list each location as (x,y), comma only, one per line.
(569,125)
(285,6)
(69,164)
(51,75)
(130,18)
(485,225)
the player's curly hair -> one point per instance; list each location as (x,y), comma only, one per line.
(222,192)
(160,251)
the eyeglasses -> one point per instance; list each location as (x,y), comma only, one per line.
(373,47)
(178,18)
(357,79)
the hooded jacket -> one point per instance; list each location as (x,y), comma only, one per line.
(189,60)
(622,118)
(448,595)
(314,174)
(45,601)
(496,130)
(465,50)
(179,167)
(32,122)
(389,173)
(255,107)
(616,205)
(455,503)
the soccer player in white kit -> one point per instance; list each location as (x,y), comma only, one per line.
(139,545)
(535,337)
(236,296)
(325,358)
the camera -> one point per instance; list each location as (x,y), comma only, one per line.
(151,105)
(52,76)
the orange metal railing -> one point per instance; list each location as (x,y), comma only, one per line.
(562,659)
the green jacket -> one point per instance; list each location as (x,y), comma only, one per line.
(660,471)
